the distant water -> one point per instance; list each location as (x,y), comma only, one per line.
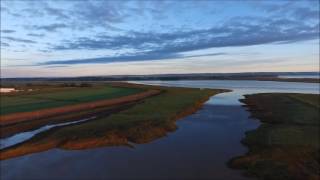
(200,148)
(242,87)
(302,76)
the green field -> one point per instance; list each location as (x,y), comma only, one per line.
(55,97)
(286,145)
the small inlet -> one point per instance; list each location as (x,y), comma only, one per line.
(24,136)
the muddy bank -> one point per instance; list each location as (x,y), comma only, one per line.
(286,145)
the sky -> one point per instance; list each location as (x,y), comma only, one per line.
(91,38)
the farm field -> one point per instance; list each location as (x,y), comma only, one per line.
(48,97)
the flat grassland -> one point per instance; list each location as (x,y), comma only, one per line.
(287,144)
(142,122)
(49,97)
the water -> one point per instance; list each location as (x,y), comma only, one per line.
(24,136)
(200,148)
(301,76)
(241,88)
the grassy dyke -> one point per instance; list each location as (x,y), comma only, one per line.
(286,145)
(153,118)
(43,98)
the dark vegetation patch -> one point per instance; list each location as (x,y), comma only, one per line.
(286,145)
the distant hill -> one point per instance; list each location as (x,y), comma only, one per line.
(168,77)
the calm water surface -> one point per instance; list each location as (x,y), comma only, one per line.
(23,136)
(200,148)
(301,76)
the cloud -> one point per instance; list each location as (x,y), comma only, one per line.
(123,58)
(299,10)
(3,44)
(58,66)
(304,13)
(18,39)
(4,9)
(84,15)
(233,33)
(153,46)
(280,22)
(51,27)
(99,12)
(58,13)
(35,35)
(8,31)
(7,10)
(80,15)
(128,58)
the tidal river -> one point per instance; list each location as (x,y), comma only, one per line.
(200,148)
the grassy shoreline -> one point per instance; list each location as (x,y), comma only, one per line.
(150,119)
(286,144)
(7,82)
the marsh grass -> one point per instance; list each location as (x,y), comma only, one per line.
(287,144)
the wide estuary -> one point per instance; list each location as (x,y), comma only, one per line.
(200,148)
